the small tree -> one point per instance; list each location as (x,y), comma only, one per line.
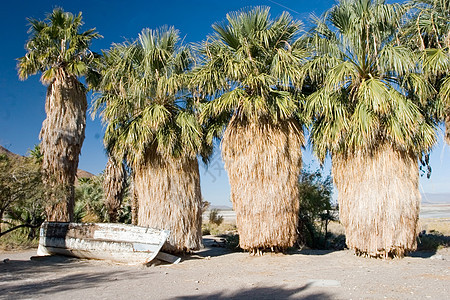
(316,210)
(21,193)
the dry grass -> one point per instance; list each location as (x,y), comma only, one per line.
(214,229)
(62,136)
(114,178)
(435,225)
(169,197)
(263,162)
(336,228)
(378,201)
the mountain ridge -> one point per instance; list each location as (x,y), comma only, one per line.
(80,173)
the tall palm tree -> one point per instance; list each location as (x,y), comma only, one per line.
(428,31)
(114,184)
(367,116)
(59,51)
(152,124)
(250,67)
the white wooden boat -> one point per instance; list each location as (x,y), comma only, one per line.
(115,242)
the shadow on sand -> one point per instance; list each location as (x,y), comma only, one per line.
(263,293)
(213,248)
(22,278)
(429,243)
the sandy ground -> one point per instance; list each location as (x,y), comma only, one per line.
(216,273)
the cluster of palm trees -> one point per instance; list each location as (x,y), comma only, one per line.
(369,81)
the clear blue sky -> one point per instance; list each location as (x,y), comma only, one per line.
(22,103)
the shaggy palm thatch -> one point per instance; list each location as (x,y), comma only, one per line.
(263,162)
(114,178)
(378,201)
(251,76)
(134,204)
(169,197)
(62,136)
(447,129)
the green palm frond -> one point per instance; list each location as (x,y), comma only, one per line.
(57,43)
(250,67)
(144,102)
(428,32)
(369,89)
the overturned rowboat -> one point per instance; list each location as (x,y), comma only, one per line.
(115,242)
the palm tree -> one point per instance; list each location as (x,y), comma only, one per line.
(250,67)
(114,183)
(152,125)
(367,116)
(428,31)
(59,51)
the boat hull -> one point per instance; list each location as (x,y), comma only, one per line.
(115,242)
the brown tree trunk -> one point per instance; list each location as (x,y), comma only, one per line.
(169,197)
(114,179)
(379,201)
(263,162)
(62,137)
(447,129)
(134,203)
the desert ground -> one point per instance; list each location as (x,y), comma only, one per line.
(216,272)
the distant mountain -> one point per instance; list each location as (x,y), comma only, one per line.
(11,155)
(436,198)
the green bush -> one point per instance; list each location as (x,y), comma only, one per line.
(90,205)
(316,210)
(432,241)
(21,199)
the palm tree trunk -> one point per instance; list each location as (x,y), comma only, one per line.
(263,162)
(378,201)
(447,129)
(62,137)
(169,197)
(134,202)
(114,179)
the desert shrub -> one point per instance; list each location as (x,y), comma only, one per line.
(19,239)
(316,210)
(432,241)
(232,242)
(125,212)
(90,206)
(21,199)
(215,218)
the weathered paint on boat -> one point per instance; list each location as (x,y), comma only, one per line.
(116,242)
